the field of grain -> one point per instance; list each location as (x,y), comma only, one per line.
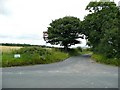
(8,48)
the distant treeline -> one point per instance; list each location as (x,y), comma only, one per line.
(18,44)
(14,44)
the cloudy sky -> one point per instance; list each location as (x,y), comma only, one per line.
(23,21)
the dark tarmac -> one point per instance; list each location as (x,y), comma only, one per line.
(75,72)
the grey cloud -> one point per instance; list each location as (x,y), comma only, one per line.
(3,9)
(29,36)
(23,37)
(4,36)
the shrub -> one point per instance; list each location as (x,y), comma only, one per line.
(33,55)
(74,52)
(105,60)
(79,48)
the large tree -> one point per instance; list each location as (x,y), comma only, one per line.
(64,31)
(101,28)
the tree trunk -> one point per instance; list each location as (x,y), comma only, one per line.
(66,48)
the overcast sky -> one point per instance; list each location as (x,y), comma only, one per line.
(23,21)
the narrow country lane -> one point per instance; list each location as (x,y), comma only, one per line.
(75,72)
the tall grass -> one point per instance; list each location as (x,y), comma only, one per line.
(7,50)
(31,56)
(86,51)
(102,59)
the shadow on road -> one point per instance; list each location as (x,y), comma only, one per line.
(86,55)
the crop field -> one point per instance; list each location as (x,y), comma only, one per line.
(8,48)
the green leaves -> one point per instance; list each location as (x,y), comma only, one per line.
(64,31)
(98,6)
(102,28)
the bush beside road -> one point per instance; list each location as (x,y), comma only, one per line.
(32,55)
(102,59)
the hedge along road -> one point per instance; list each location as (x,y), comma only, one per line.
(75,72)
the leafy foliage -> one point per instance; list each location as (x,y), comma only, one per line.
(32,55)
(102,59)
(64,31)
(101,28)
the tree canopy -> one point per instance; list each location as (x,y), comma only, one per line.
(101,28)
(64,31)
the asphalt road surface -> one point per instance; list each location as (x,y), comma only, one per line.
(75,72)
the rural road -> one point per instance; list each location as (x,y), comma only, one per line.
(75,72)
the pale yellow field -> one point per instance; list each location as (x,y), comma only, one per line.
(8,48)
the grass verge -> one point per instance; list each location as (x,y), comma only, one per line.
(86,51)
(102,59)
(31,56)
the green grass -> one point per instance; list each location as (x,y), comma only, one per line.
(86,51)
(102,59)
(0,60)
(32,55)
(75,51)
